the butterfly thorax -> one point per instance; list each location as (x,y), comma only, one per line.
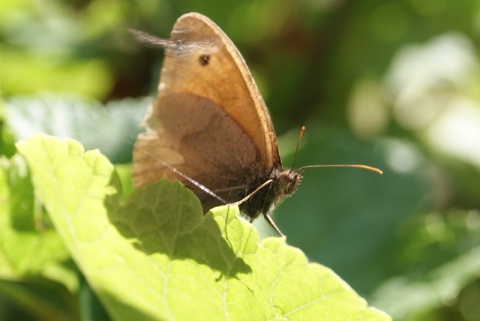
(283,184)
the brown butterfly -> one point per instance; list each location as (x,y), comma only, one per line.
(209,127)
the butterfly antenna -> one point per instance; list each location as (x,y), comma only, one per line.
(368,168)
(300,135)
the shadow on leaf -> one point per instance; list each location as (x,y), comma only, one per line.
(166,218)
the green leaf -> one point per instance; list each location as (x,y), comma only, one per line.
(36,273)
(156,257)
(28,245)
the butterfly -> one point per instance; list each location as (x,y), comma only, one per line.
(209,126)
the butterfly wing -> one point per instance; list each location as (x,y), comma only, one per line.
(209,121)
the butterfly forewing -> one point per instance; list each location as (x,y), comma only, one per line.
(209,121)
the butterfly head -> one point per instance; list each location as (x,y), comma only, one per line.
(285,183)
(263,199)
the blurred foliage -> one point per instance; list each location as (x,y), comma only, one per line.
(390,84)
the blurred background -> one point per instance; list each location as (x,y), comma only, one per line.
(394,85)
